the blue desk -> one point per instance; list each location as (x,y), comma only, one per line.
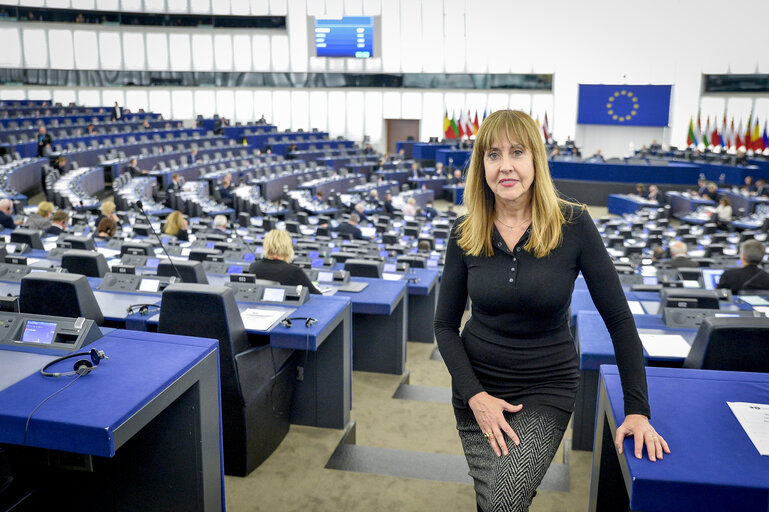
(456,193)
(423,299)
(460,158)
(131,415)
(742,205)
(426,150)
(620,204)
(712,465)
(379,326)
(680,204)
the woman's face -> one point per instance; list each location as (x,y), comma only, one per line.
(509,170)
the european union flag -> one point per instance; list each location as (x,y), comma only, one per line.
(633,105)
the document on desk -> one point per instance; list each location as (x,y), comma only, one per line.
(108,253)
(762,309)
(262,319)
(665,345)
(754,418)
(635,307)
(754,300)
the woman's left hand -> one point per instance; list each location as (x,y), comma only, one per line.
(638,426)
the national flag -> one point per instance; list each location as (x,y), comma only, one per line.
(756,142)
(715,139)
(732,135)
(765,138)
(476,125)
(546,130)
(484,115)
(691,139)
(454,127)
(469,127)
(448,131)
(738,142)
(746,136)
(697,131)
(724,134)
(706,133)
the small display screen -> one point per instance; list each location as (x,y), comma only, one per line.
(384,254)
(274,294)
(235,269)
(325,277)
(38,332)
(336,249)
(650,279)
(313,254)
(209,245)
(432,263)
(149,285)
(259,249)
(248,257)
(727,315)
(390,267)
(164,240)
(153,262)
(711,277)
(316,262)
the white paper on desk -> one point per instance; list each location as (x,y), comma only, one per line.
(49,246)
(754,300)
(635,307)
(754,418)
(762,309)
(261,319)
(391,277)
(107,252)
(665,345)
(691,283)
(30,261)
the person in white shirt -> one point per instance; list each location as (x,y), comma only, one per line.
(723,213)
(410,208)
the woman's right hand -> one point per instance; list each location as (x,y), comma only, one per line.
(488,412)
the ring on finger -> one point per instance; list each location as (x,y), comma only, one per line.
(487,435)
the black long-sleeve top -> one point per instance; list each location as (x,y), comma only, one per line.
(517,345)
(282,272)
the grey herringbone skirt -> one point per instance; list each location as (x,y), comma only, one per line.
(508,483)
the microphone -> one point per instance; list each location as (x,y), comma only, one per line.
(248,247)
(140,206)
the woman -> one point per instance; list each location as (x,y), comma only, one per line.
(106,229)
(410,208)
(107,211)
(176,225)
(276,265)
(723,213)
(42,219)
(514,369)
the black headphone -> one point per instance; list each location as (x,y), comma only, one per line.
(309,321)
(81,367)
(142,309)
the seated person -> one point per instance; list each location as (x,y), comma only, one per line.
(6,214)
(748,276)
(658,253)
(225,189)
(723,213)
(439,172)
(597,157)
(176,225)
(133,168)
(711,191)
(351,227)
(457,178)
(220,225)
(389,209)
(60,164)
(410,208)
(762,188)
(429,211)
(749,186)
(276,265)
(177,183)
(59,223)
(107,210)
(702,186)
(640,191)
(556,151)
(678,256)
(106,229)
(655,194)
(359,209)
(42,219)
(319,196)
(423,247)
(415,172)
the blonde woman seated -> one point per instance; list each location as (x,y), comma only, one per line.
(176,225)
(107,211)
(724,213)
(410,208)
(276,265)
(42,219)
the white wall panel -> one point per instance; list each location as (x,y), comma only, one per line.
(300,110)
(60,50)
(57,4)
(223,52)
(354,65)
(541,103)
(205,103)
(13,94)
(244,106)
(373,112)
(432,36)
(35,45)
(90,98)
(110,50)
(520,101)
(498,101)
(263,105)
(353,7)
(178,6)
(281,109)
(133,51)
(391,105)
(110,96)
(108,5)
(221,7)
(240,7)
(157,51)
(454,35)
(200,6)
(476,30)
(32,3)
(83,4)
(155,5)
(432,116)
(225,103)
(86,45)
(179,52)
(411,37)
(316,7)
(296,24)
(372,7)
(713,107)
(335,8)
(391,36)
(10,42)
(241,52)
(278,7)
(411,105)
(279,53)
(136,99)
(260,45)
(355,113)
(160,101)
(337,107)
(202,52)
(260,7)
(131,5)
(64,96)
(39,94)
(318,64)
(319,110)
(182,103)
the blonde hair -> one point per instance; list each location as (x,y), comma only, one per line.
(174,223)
(107,208)
(547,209)
(278,244)
(44,208)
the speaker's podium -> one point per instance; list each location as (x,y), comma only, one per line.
(142,431)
